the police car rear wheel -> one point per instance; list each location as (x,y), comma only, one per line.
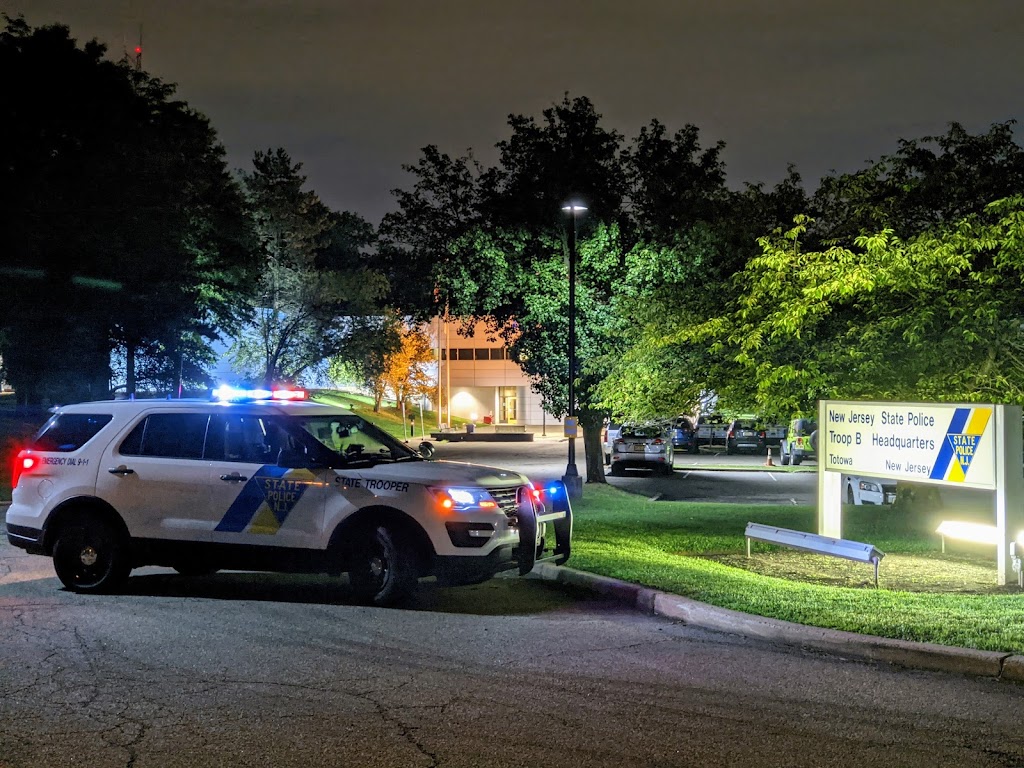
(90,557)
(382,569)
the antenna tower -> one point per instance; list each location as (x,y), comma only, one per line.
(138,52)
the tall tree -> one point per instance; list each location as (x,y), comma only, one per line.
(405,369)
(928,182)
(511,272)
(416,241)
(314,273)
(370,341)
(117,208)
(936,316)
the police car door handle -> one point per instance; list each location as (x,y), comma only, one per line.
(121,470)
(234,477)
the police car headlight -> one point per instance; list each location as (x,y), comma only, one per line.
(464,499)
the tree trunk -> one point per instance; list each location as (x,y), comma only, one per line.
(129,365)
(592,422)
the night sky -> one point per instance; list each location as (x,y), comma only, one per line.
(354,88)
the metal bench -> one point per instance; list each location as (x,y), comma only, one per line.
(812,542)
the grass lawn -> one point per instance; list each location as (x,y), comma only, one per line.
(699,551)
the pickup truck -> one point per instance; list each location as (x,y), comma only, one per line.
(712,429)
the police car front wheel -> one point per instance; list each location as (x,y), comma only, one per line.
(90,556)
(382,566)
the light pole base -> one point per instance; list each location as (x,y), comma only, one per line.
(573,485)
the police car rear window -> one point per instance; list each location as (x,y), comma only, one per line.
(168,435)
(67,432)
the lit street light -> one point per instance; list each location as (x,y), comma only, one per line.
(573,481)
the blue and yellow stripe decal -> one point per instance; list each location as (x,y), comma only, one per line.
(961,444)
(266,500)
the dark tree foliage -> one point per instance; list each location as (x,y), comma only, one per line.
(928,183)
(124,233)
(416,240)
(673,183)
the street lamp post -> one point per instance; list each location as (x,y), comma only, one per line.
(573,481)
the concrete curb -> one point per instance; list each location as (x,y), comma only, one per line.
(927,656)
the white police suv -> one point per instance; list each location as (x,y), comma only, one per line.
(268,481)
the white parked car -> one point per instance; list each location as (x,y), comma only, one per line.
(609,435)
(270,485)
(868,490)
(642,446)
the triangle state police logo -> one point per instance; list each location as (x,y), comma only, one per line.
(963,449)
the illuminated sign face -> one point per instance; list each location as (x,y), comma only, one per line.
(947,444)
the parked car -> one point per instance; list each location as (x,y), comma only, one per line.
(711,429)
(642,446)
(745,435)
(684,434)
(800,442)
(609,435)
(774,433)
(868,490)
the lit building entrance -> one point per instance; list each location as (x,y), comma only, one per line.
(507,397)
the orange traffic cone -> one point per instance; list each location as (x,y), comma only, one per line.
(769,463)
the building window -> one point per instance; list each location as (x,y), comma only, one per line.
(479,353)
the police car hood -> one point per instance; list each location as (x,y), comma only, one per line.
(446,473)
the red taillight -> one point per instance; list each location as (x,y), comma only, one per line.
(25,462)
(658,441)
(288,394)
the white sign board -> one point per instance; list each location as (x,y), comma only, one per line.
(929,443)
(969,446)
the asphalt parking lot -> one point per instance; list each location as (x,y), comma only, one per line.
(707,476)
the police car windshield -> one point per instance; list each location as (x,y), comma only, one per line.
(353,439)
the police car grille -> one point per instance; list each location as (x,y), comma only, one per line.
(507,498)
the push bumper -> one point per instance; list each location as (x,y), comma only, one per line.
(531,527)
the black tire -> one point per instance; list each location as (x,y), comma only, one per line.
(382,567)
(607,459)
(616,470)
(795,460)
(730,448)
(783,456)
(90,556)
